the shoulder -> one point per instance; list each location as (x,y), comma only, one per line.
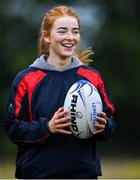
(20,75)
(27,75)
(88,70)
(91,74)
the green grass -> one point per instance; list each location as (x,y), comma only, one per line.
(7,169)
(113,168)
(121,168)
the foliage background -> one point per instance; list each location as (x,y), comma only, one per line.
(112,29)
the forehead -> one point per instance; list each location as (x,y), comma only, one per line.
(66,21)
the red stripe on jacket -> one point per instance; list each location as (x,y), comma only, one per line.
(27,84)
(96,80)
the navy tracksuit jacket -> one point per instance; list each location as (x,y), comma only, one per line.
(35,95)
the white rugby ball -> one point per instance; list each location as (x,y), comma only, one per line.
(83,103)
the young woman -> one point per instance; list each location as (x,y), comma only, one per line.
(36,121)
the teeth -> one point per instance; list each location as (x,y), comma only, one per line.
(68,45)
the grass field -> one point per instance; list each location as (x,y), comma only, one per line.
(117,168)
(121,168)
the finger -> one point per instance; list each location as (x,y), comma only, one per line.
(63,120)
(61,114)
(97,131)
(101,120)
(64,131)
(59,126)
(60,110)
(102,114)
(99,126)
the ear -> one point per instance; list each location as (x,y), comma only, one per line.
(47,39)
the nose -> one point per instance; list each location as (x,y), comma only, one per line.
(69,36)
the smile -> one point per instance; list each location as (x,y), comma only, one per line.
(67,45)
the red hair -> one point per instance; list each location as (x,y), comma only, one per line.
(47,23)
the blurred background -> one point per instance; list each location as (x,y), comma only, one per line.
(112,29)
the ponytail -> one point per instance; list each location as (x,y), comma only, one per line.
(84,55)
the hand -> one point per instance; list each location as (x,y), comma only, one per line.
(101,122)
(60,121)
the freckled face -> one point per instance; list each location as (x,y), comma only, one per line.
(64,37)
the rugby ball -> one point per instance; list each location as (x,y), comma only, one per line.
(83,104)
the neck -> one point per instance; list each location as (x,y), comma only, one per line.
(58,62)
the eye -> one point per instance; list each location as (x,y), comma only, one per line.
(61,31)
(76,32)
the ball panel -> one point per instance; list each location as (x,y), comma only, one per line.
(93,108)
(76,108)
(83,103)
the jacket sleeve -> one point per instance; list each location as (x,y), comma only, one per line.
(109,109)
(95,78)
(19,128)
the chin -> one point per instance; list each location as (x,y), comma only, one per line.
(66,55)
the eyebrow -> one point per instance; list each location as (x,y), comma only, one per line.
(67,28)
